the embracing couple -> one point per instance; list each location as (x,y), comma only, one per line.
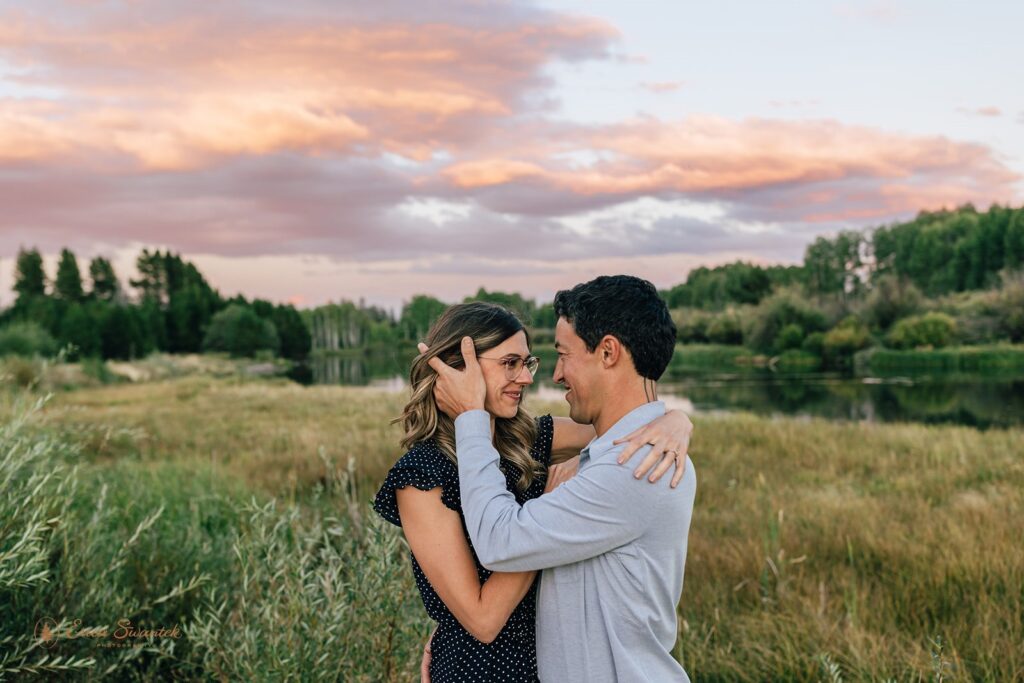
(488,496)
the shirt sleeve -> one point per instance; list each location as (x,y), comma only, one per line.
(594,512)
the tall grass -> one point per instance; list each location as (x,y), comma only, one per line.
(714,357)
(260,589)
(818,551)
(315,600)
(863,542)
(983,359)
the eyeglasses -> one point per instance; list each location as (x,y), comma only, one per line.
(514,365)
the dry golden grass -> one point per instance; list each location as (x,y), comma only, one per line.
(813,543)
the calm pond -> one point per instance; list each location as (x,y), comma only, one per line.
(979,401)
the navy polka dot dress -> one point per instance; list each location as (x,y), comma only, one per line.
(456,656)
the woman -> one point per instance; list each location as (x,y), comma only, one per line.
(485,620)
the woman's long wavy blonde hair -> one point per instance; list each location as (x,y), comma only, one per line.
(488,325)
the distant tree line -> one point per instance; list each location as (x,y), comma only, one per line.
(175,310)
(348,325)
(943,278)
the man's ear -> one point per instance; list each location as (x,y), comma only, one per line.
(610,350)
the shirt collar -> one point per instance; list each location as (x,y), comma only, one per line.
(630,422)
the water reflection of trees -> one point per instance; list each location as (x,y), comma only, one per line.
(981,402)
(352,369)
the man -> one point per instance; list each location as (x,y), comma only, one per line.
(612,547)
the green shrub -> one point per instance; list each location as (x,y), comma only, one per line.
(691,325)
(889,300)
(725,328)
(783,308)
(814,343)
(98,370)
(22,372)
(790,336)
(26,339)
(845,339)
(238,331)
(934,330)
(1011,307)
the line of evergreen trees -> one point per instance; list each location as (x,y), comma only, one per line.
(175,310)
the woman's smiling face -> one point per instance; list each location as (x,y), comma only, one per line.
(503,394)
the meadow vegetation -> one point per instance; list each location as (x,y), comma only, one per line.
(238,509)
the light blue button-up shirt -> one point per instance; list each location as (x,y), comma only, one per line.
(612,548)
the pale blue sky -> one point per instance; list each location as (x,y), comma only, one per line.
(915,67)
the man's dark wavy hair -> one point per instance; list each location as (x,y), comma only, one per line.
(629,309)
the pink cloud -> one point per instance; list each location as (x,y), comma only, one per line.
(704,155)
(188,91)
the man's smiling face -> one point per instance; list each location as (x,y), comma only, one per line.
(578,370)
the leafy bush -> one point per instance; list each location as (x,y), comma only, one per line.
(776,312)
(691,325)
(239,331)
(790,336)
(26,339)
(814,343)
(21,372)
(889,300)
(725,328)
(1011,306)
(934,330)
(845,339)
(98,370)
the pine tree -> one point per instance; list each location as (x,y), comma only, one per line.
(105,286)
(68,285)
(152,280)
(29,277)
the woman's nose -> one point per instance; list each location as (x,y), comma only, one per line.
(524,376)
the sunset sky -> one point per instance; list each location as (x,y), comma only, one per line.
(312,150)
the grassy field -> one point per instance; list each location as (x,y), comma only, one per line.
(819,551)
